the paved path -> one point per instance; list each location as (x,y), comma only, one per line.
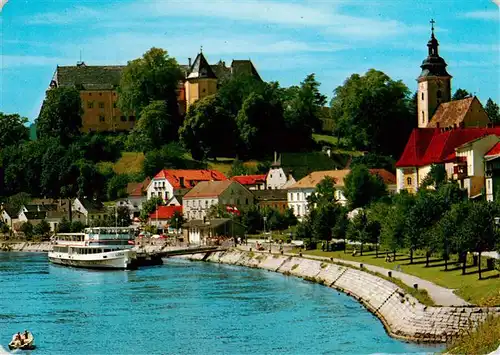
(440,295)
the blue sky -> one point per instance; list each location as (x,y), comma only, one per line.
(286,40)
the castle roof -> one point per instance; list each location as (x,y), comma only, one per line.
(201,69)
(432,145)
(89,77)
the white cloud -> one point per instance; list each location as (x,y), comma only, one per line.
(2,4)
(484,15)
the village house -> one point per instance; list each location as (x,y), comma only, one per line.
(98,87)
(492,172)
(450,133)
(136,195)
(276,199)
(91,209)
(161,217)
(212,231)
(9,215)
(298,193)
(206,194)
(168,183)
(252,182)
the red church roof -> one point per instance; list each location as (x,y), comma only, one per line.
(430,145)
(250,179)
(495,150)
(189,178)
(165,212)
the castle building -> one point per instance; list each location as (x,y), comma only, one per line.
(446,131)
(98,87)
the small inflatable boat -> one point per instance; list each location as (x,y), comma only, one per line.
(22,342)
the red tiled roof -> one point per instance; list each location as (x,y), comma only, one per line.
(429,145)
(250,179)
(138,189)
(495,150)
(388,177)
(190,177)
(165,212)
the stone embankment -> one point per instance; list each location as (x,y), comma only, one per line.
(36,247)
(402,315)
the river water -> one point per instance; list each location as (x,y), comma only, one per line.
(182,307)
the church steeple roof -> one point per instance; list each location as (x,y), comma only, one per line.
(433,65)
(201,69)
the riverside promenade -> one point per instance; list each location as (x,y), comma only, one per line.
(403,315)
(441,296)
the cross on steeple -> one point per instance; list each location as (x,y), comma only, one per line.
(432,25)
(201,49)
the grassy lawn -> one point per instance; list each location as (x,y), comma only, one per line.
(323,138)
(484,292)
(485,339)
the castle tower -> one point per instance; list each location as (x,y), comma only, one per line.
(201,80)
(434,83)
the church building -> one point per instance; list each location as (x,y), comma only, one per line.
(444,129)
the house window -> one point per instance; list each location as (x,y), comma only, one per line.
(422,96)
(90,104)
(246,201)
(131,118)
(101,118)
(101,104)
(408,181)
(423,117)
(298,210)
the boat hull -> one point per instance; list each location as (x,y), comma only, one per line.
(124,260)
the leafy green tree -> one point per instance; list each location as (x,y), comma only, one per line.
(149,207)
(170,156)
(374,161)
(235,89)
(492,110)
(4,228)
(374,113)
(324,194)
(177,220)
(304,229)
(13,129)
(362,188)
(42,229)
(260,122)
(252,219)
(364,230)
(289,218)
(77,227)
(155,127)
(154,76)
(339,231)
(302,112)
(218,211)
(122,216)
(99,147)
(27,229)
(200,132)
(117,186)
(64,226)
(61,115)
(323,219)
(238,168)
(460,94)
(436,176)
(16,201)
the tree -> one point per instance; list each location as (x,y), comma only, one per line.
(460,94)
(122,215)
(436,176)
(77,227)
(169,156)
(13,129)
(218,211)
(252,219)
(324,194)
(155,127)
(42,229)
(200,132)
(154,76)
(374,113)
(149,207)
(117,186)
(364,230)
(27,229)
(374,161)
(238,168)
(16,201)
(64,226)
(362,188)
(177,220)
(323,220)
(235,89)
(302,111)
(492,110)
(61,115)
(260,122)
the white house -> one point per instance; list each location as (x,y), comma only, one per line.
(9,216)
(298,193)
(90,209)
(206,194)
(167,182)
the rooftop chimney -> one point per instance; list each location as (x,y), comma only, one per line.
(181,181)
(189,62)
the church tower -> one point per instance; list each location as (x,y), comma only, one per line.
(201,80)
(434,83)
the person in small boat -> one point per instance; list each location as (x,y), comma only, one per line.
(17,337)
(25,334)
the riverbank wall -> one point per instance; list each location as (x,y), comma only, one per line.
(402,315)
(35,247)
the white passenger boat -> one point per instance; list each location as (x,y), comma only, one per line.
(96,248)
